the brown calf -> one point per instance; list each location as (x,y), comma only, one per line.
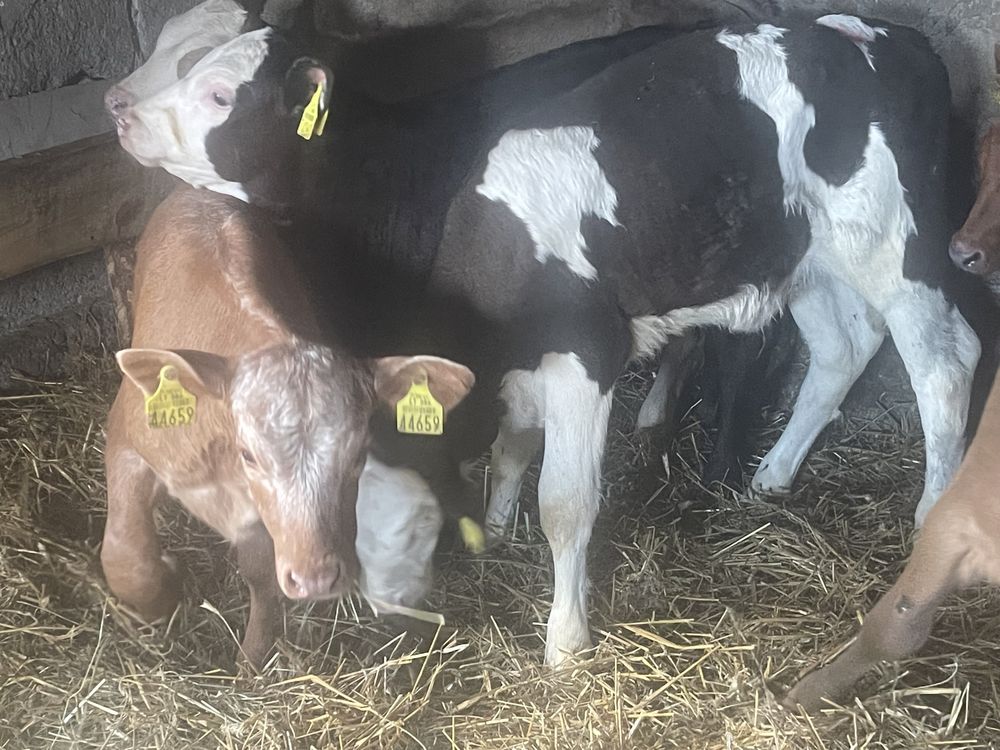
(270,453)
(959,545)
(976,246)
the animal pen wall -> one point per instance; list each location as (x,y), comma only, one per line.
(701,597)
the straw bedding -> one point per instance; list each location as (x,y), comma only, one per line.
(700,601)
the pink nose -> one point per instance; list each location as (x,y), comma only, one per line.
(967,257)
(316,581)
(118,101)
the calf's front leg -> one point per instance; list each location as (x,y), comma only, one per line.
(255,558)
(576,423)
(138,572)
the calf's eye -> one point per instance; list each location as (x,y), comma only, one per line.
(248,457)
(221,99)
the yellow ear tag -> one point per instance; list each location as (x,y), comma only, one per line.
(418,412)
(308,122)
(171,405)
(472,535)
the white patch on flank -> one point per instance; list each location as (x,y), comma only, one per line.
(550,180)
(169,129)
(764,82)
(857,227)
(749,309)
(856,30)
(399,520)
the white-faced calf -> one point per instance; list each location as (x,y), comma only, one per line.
(959,545)
(184,40)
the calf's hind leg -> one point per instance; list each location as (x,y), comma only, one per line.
(940,352)
(137,571)
(843,333)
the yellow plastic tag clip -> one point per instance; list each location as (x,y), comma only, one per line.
(418,412)
(322,122)
(472,535)
(307,124)
(170,405)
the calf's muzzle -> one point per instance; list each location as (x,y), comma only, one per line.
(967,256)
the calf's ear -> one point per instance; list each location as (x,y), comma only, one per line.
(201,373)
(449,382)
(301,81)
(188,61)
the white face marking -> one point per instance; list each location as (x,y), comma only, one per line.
(169,129)
(304,424)
(399,520)
(550,180)
(856,30)
(210,24)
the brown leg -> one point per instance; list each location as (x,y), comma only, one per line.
(255,557)
(137,571)
(901,620)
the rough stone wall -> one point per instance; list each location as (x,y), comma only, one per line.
(57,58)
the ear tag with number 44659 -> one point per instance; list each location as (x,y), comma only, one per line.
(171,404)
(418,412)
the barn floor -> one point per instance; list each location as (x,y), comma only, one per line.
(695,611)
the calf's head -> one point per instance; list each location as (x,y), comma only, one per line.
(232,121)
(290,423)
(184,40)
(976,246)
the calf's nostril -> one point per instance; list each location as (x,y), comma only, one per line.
(117,101)
(972,259)
(317,583)
(967,257)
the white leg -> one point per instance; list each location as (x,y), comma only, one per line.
(513,451)
(940,352)
(843,333)
(576,424)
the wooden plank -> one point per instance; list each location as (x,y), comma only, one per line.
(119,259)
(68,200)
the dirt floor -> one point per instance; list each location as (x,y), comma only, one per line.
(700,601)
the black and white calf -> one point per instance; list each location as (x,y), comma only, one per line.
(553,220)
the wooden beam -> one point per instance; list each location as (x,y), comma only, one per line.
(71,199)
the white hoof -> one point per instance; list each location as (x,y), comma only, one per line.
(766,481)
